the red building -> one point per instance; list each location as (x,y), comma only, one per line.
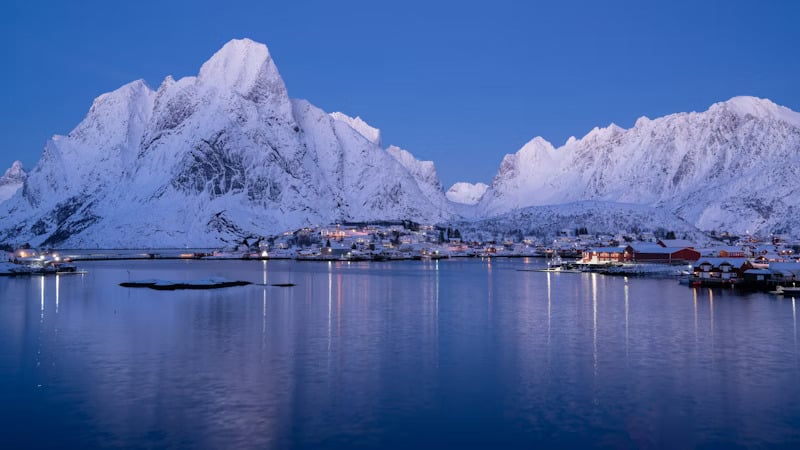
(654,253)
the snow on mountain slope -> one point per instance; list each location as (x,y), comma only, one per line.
(733,167)
(370,184)
(424,173)
(598,217)
(466,193)
(206,160)
(12,181)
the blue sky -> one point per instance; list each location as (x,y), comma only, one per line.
(459,83)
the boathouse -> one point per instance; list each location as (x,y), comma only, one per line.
(721,269)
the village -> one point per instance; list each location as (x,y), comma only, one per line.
(748,261)
(729,260)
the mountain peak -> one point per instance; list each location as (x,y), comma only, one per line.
(537,149)
(757,107)
(241,65)
(11,181)
(15,170)
(604,133)
(127,91)
(537,144)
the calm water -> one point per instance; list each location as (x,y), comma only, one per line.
(463,353)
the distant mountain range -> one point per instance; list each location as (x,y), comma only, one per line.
(212,159)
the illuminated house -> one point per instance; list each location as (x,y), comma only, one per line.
(723,270)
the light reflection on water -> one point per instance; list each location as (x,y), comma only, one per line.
(470,353)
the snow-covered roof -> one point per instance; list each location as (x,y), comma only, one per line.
(716,262)
(758,272)
(681,243)
(655,248)
(607,249)
(729,249)
(792,267)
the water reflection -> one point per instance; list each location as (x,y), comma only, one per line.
(627,332)
(794,327)
(694,296)
(437,291)
(594,321)
(413,359)
(330,304)
(549,301)
(489,290)
(41,283)
(264,306)
(711,317)
(58,279)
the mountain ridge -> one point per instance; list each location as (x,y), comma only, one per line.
(225,155)
(705,167)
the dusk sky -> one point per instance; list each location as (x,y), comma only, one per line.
(458,83)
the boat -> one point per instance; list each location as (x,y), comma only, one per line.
(792,291)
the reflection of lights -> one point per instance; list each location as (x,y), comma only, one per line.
(794,322)
(264,308)
(695,315)
(594,319)
(330,302)
(627,309)
(42,285)
(548,307)
(57,289)
(711,309)
(437,290)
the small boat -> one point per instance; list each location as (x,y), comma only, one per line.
(793,291)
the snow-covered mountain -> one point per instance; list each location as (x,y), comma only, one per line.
(12,181)
(210,159)
(466,193)
(733,167)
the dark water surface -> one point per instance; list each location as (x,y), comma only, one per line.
(460,353)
